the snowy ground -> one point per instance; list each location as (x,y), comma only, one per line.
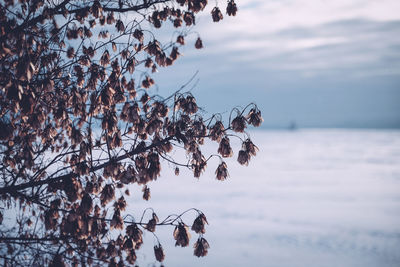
(309,198)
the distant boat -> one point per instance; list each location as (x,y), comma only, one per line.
(292,126)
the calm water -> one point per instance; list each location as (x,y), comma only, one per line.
(309,198)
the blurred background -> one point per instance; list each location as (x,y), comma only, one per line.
(324,189)
(315,62)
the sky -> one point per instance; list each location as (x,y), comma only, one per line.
(317,63)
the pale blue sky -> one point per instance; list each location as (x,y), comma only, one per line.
(319,63)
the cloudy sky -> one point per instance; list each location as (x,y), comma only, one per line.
(316,62)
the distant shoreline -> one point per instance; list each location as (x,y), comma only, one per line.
(279,128)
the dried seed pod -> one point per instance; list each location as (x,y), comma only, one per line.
(96,9)
(111,250)
(147,83)
(216,132)
(70,52)
(117,222)
(231,8)
(199,224)
(198,44)
(57,261)
(201,247)
(177,23)
(105,58)
(189,18)
(243,157)
(181,235)
(225,148)
(180,40)
(135,233)
(174,53)
(254,117)
(131,257)
(216,14)
(159,253)
(238,124)
(188,104)
(151,225)
(222,171)
(249,147)
(131,65)
(120,26)
(86,204)
(138,34)
(146,193)
(128,244)
(107,194)
(148,63)
(120,204)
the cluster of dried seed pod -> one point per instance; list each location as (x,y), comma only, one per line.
(81,122)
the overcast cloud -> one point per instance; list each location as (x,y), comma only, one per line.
(319,63)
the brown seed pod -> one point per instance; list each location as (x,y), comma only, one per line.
(243,157)
(216,14)
(180,40)
(198,44)
(222,172)
(199,224)
(231,8)
(181,235)
(225,148)
(201,247)
(146,193)
(159,253)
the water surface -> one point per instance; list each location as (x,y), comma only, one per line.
(309,198)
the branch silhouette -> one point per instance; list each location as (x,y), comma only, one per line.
(80,125)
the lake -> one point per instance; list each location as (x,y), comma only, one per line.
(315,197)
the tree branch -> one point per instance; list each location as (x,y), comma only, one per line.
(57,10)
(14,188)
